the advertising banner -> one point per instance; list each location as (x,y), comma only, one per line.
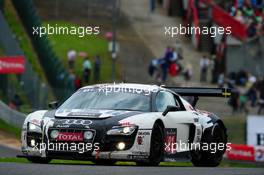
(12,65)
(241,152)
(255,130)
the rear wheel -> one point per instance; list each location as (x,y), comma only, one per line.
(211,157)
(156,147)
(39,160)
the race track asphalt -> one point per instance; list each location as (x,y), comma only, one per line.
(39,169)
(60,169)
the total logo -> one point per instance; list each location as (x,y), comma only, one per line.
(63,136)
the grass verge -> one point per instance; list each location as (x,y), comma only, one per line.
(236,129)
(91,44)
(10,129)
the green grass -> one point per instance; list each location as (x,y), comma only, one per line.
(10,129)
(163,164)
(90,44)
(236,129)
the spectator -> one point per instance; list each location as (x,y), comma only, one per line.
(214,71)
(174,57)
(164,69)
(239,16)
(243,103)
(233,11)
(221,80)
(97,68)
(178,49)
(204,64)
(242,77)
(252,30)
(234,99)
(260,87)
(187,73)
(77,83)
(15,102)
(248,11)
(152,68)
(152,4)
(72,79)
(168,54)
(252,95)
(71,58)
(86,70)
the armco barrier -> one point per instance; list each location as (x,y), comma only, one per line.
(11,116)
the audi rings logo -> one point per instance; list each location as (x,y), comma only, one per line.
(77,122)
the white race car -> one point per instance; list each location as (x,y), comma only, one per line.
(147,124)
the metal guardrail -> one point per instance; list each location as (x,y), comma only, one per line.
(11,116)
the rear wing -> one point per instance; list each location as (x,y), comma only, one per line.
(201,92)
(192,94)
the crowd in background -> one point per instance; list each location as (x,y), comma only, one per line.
(90,67)
(247,91)
(250,13)
(169,64)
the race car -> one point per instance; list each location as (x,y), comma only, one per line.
(147,124)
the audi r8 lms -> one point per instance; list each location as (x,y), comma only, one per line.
(146,124)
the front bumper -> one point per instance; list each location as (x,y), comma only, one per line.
(107,149)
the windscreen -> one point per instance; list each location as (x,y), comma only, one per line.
(95,99)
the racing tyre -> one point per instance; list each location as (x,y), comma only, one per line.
(156,147)
(212,157)
(104,162)
(39,160)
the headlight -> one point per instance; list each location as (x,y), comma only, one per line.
(54,134)
(88,135)
(122,130)
(34,128)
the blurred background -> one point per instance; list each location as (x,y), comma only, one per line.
(132,47)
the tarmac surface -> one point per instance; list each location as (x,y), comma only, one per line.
(41,169)
(77,169)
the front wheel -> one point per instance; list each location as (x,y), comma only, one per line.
(211,157)
(156,147)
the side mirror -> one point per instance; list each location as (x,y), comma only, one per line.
(170,109)
(53,105)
